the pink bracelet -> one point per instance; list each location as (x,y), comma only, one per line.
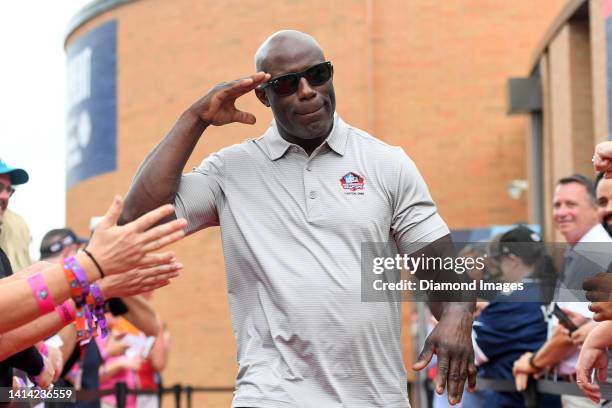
(66,312)
(42,349)
(41,293)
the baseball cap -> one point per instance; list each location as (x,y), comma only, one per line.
(521,241)
(18,176)
(56,240)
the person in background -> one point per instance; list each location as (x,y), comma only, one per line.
(28,362)
(132,357)
(576,217)
(60,243)
(594,352)
(155,361)
(82,366)
(120,359)
(15,240)
(512,323)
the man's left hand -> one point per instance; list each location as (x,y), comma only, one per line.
(451,341)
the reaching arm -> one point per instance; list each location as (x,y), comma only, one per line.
(117,249)
(142,315)
(69,336)
(160,350)
(601,335)
(31,333)
(555,350)
(594,358)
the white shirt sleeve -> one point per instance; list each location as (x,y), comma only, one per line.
(200,195)
(415,220)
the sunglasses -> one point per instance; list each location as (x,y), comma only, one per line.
(58,246)
(9,189)
(287,84)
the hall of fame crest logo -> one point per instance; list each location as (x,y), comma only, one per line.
(352,182)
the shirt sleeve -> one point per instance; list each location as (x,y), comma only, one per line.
(415,221)
(200,195)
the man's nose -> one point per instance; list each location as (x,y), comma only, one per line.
(560,211)
(305,90)
(4,193)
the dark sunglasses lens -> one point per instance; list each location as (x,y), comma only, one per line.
(286,85)
(319,74)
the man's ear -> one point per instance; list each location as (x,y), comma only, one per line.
(261,95)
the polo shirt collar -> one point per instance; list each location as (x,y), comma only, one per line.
(338,136)
(277,146)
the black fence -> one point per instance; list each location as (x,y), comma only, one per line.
(121,391)
(532,395)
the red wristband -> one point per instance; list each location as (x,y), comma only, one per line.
(66,312)
(41,293)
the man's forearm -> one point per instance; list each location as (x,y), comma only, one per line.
(555,350)
(157,179)
(142,315)
(31,333)
(68,335)
(454,309)
(444,301)
(600,336)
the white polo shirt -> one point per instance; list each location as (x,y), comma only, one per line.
(292,227)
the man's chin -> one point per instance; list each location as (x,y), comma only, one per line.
(318,128)
(564,228)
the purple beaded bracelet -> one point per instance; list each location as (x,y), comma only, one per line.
(96,293)
(71,263)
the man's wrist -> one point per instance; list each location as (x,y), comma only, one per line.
(532,362)
(193,117)
(459,307)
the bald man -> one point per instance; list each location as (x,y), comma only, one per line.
(294,206)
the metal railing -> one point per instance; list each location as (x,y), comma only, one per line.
(532,394)
(121,391)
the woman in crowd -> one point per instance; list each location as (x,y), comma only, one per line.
(512,323)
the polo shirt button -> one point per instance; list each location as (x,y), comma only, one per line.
(313,194)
